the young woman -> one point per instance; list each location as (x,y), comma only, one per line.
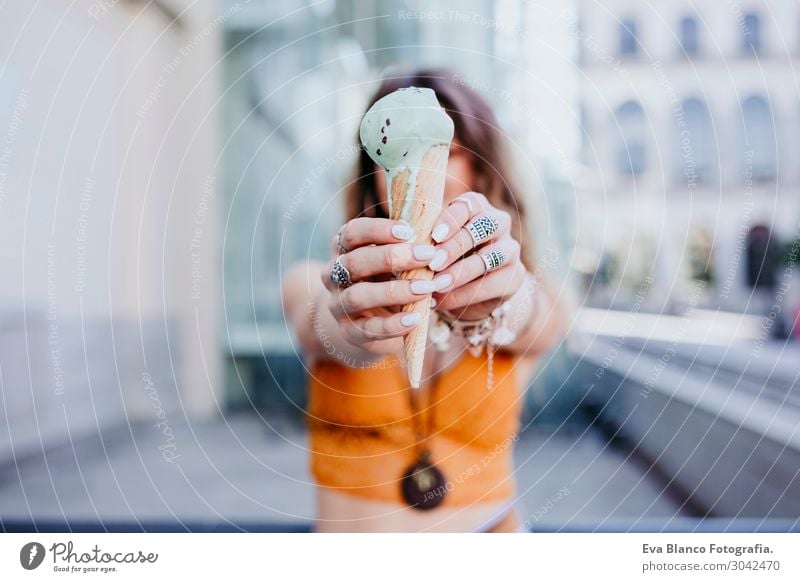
(386,458)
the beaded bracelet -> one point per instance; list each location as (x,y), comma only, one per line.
(491,331)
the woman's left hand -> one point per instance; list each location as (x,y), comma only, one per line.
(479,283)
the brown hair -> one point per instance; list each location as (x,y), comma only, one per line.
(477,131)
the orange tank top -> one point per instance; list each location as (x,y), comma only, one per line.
(362,435)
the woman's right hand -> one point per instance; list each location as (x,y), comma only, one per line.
(368,311)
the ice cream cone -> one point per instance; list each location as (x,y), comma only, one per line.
(408,133)
(424,206)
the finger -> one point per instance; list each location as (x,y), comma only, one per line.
(373,260)
(364,230)
(367,329)
(457,213)
(506,250)
(368,295)
(476,311)
(499,285)
(460,244)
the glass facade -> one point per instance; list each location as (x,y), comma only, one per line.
(295,88)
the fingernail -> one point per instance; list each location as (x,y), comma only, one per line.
(439,258)
(433,302)
(422,287)
(440,232)
(443,281)
(423,252)
(402,232)
(410,319)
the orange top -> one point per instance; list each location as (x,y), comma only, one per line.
(362,435)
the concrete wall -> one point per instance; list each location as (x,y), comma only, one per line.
(110,297)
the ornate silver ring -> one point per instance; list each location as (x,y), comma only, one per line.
(340,275)
(481,229)
(466,201)
(493,260)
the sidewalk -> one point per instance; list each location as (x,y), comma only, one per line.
(244,469)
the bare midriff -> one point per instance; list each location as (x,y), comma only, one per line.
(340,512)
(364,436)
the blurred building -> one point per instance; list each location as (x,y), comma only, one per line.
(297,80)
(110,303)
(690,123)
(162,164)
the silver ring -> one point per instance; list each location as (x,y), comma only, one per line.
(493,259)
(339,245)
(340,275)
(466,201)
(482,228)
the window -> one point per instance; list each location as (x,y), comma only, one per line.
(751,34)
(628,41)
(697,144)
(690,44)
(631,154)
(760,147)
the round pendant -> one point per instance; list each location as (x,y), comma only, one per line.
(423,485)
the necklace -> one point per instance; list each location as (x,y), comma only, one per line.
(422,484)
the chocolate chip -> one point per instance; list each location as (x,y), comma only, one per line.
(379,151)
(388,121)
(384,139)
(383,129)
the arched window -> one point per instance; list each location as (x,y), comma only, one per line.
(697,144)
(751,33)
(690,43)
(760,147)
(628,41)
(631,150)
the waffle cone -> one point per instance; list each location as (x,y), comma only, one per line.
(425,206)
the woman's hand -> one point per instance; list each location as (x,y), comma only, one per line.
(368,311)
(475,291)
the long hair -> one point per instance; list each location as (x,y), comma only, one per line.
(477,131)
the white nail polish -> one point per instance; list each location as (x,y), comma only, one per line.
(438,260)
(423,252)
(410,319)
(440,232)
(443,281)
(402,232)
(422,287)
(433,302)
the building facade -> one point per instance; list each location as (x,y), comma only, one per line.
(110,305)
(690,116)
(297,81)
